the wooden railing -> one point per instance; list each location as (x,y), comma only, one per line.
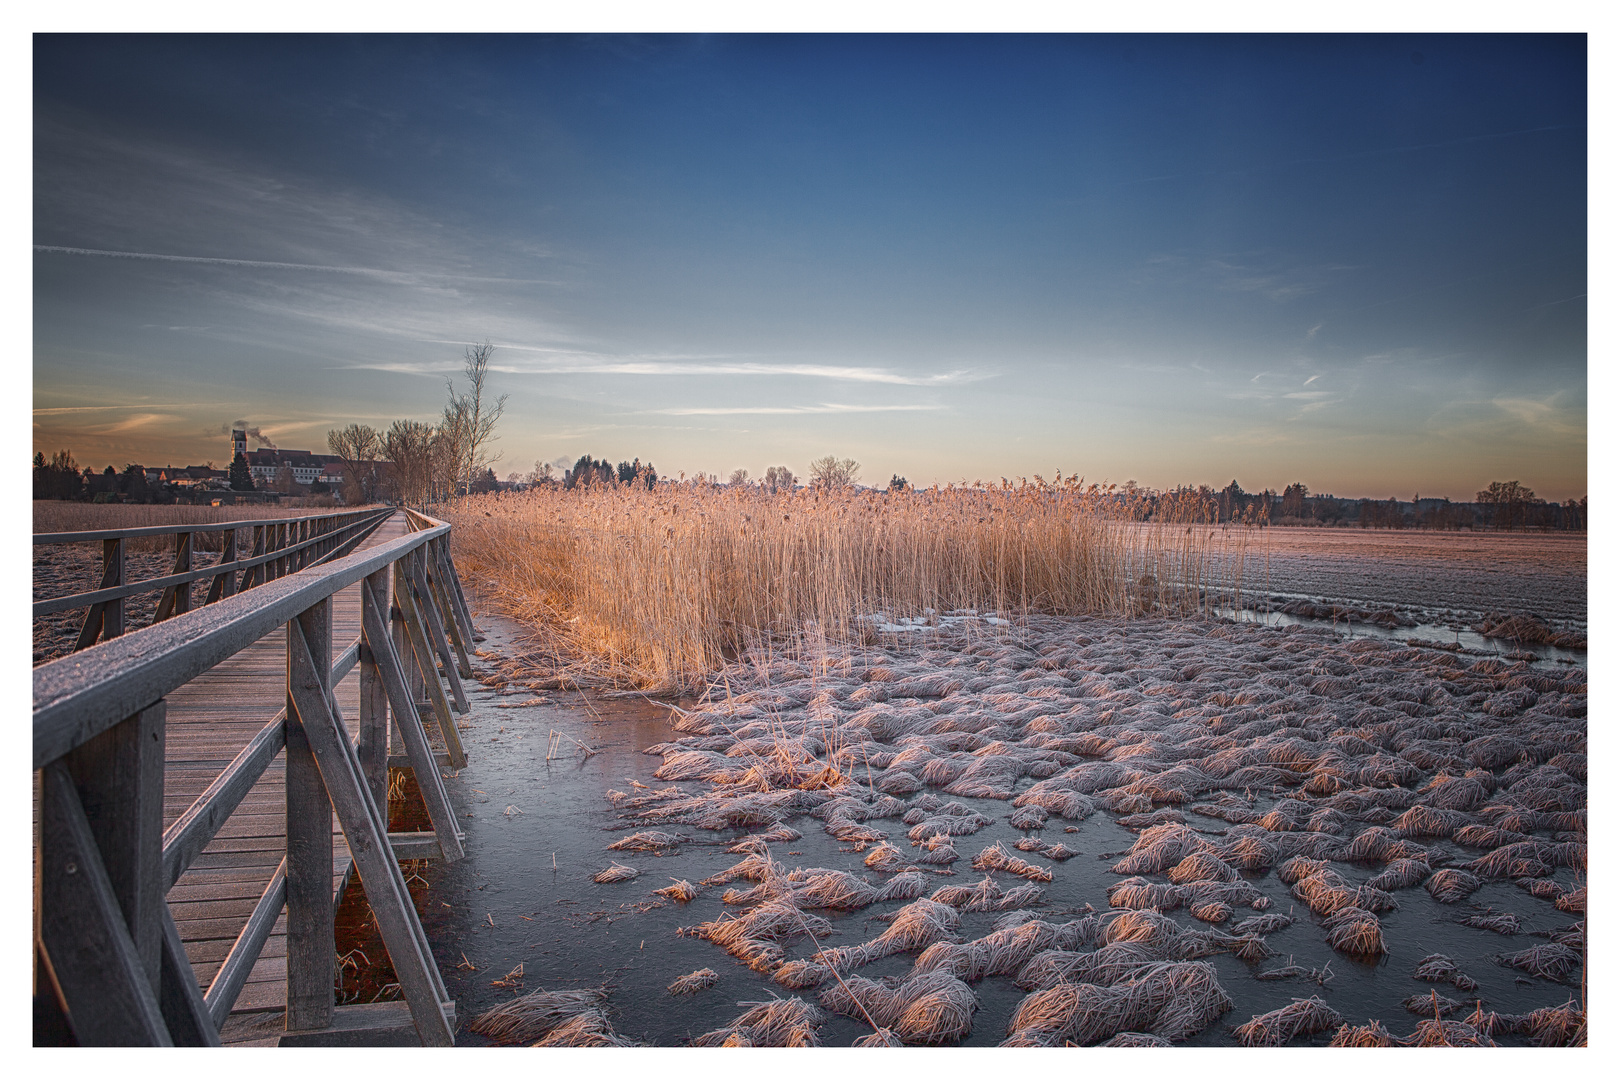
(107,945)
(279,547)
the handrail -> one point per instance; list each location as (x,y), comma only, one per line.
(108,945)
(206,526)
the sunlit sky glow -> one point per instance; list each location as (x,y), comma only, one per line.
(1355,262)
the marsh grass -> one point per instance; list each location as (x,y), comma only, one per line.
(657,588)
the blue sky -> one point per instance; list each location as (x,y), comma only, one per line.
(1355,262)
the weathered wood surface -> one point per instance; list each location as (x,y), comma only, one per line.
(209,721)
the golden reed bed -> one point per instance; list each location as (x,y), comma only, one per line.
(656,587)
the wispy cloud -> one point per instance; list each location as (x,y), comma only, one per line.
(793,410)
(400,276)
(573,363)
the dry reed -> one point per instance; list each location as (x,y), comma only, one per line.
(615,872)
(656,586)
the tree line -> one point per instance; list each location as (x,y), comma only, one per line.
(1501,505)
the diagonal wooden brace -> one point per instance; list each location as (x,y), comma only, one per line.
(188,1018)
(367,835)
(447,615)
(435,627)
(374,623)
(430,674)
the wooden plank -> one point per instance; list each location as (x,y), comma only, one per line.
(186,838)
(247,948)
(434,626)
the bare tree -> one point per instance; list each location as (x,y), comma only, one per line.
(469,419)
(358,446)
(285,482)
(738,477)
(830,472)
(780,478)
(409,445)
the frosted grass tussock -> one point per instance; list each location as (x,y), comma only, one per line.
(1400,874)
(779,1022)
(1500,922)
(1161,847)
(1004,952)
(1373,1034)
(997,857)
(987,895)
(534,1015)
(1549,961)
(1355,931)
(927,1007)
(660,842)
(615,872)
(1431,1004)
(701,979)
(1302,1016)
(682,892)
(1103,966)
(1449,886)
(1170,1000)
(589,1028)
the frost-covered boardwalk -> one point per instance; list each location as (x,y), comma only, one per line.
(210,720)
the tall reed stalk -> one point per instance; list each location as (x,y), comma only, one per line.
(660,585)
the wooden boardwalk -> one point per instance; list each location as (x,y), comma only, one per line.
(209,721)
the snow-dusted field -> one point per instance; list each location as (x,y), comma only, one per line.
(1438,577)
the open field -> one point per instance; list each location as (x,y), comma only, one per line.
(1439,577)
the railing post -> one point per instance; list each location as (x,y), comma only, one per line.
(112,574)
(99,889)
(311,942)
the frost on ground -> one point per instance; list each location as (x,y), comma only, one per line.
(1433,577)
(1351,770)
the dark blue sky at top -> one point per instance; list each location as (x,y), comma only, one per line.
(1265,247)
